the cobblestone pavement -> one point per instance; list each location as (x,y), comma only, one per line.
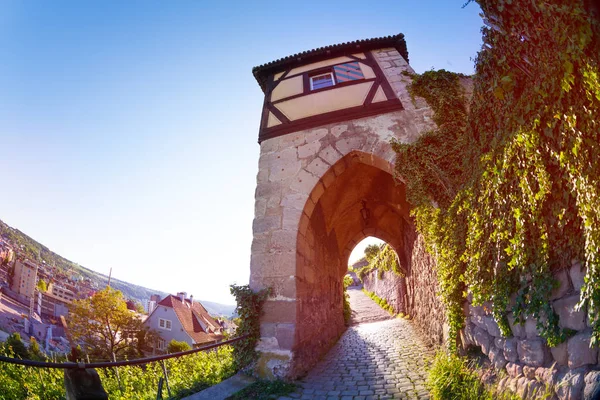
(364,309)
(376,360)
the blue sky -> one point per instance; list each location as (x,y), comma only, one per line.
(128,130)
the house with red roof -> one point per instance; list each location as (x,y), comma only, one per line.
(182,319)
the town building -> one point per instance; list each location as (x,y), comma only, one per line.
(62,292)
(53,305)
(184,320)
(24,279)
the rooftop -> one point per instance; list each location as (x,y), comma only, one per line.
(262,72)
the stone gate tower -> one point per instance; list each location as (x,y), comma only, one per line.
(325,182)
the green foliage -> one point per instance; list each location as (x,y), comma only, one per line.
(346,308)
(187,375)
(371,252)
(42,286)
(175,346)
(99,324)
(348,281)
(382,258)
(263,390)
(16,346)
(450,377)
(249,309)
(509,194)
(381,302)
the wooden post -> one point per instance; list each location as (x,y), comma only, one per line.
(164,368)
(84,384)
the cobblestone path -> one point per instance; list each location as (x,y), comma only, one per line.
(364,309)
(374,360)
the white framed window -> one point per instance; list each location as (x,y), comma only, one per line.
(322,81)
(161,344)
(164,324)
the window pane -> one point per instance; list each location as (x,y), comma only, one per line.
(348,72)
(321,81)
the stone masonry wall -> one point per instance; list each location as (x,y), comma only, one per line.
(571,368)
(390,287)
(424,305)
(294,171)
(415,295)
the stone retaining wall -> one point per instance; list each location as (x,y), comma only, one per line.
(414,295)
(569,368)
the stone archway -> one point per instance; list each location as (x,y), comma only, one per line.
(330,227)
(310,189)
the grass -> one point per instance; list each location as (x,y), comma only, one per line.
(263,390)
(454,377)
(381,302)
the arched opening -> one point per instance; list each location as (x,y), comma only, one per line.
(356,198)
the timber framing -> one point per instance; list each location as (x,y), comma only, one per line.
(368,108)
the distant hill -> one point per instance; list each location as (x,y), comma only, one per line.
(40,253)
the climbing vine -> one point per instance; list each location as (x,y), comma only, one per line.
(249,310)
(384,259)
(508,193)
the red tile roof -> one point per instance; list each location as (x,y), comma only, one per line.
(192,316)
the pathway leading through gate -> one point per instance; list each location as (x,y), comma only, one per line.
(378,357)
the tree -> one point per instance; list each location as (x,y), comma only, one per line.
(17,346)
(42,286)
(34,350)
(103,325)
(175,347)
(371,252)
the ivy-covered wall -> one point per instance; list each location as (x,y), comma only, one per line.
(507,190)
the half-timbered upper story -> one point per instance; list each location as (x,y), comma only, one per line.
(326,85)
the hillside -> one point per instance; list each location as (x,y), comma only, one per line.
(40,253)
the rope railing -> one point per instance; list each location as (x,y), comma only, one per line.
(138,361)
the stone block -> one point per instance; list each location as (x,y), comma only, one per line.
(592,386)
(568,316)
(317,192)
(580,353)
(497,358)
(330,155)
(479,321)
(529,372)
(291,219)
(303,182)
(492,327)
(499,343)
(337,130)
(514,370)
(522,386)
(285,334)
(316,134)
(347,144)
(548,376)
(317,167)
(483,339)
(284,170)
(476,310)
(266,224)
(261,243)
(531,331)
(570,385)
(279,311)
(285,240)
(560,354)
(296,201)
(517,329)
(531,352)
(309,149)
(510,350)
(577,273)
(564,286)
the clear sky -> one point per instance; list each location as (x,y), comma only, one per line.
(128,129)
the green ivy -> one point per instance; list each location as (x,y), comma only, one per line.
(384,259)
(508,193)
(249,310)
